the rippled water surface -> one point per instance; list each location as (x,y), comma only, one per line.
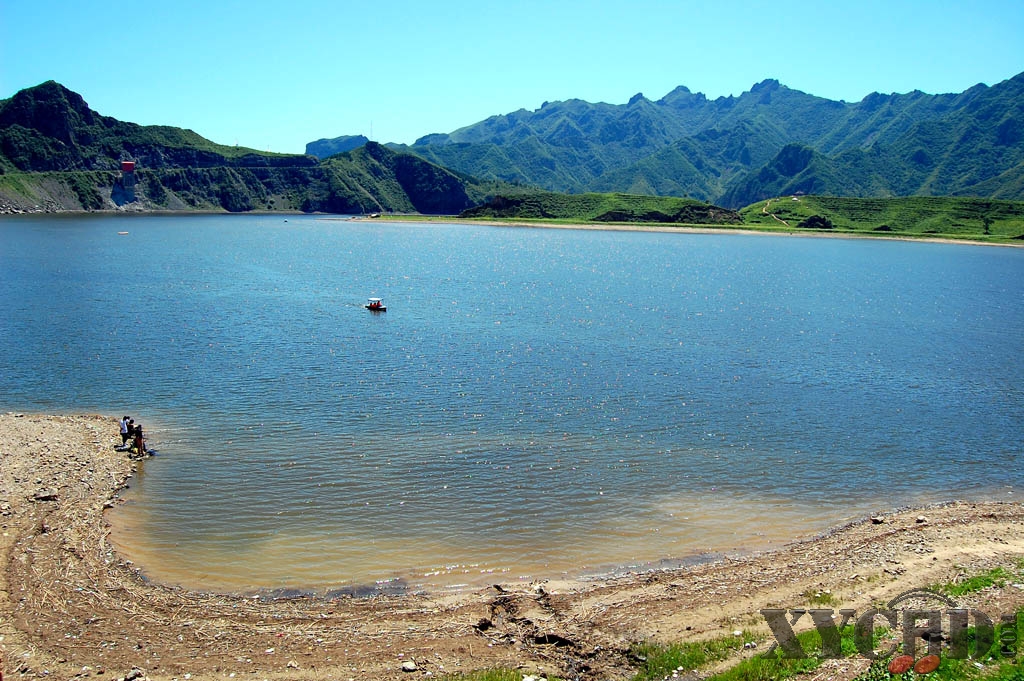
(533,403)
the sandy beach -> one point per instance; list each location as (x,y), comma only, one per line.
(674,229)
(71,607)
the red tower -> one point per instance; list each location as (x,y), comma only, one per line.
(128,174)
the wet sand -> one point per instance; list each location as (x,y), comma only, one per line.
(71,607)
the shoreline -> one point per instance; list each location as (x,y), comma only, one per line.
(70,606)
(673,229)
(588,226)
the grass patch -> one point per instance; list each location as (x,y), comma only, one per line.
(499,674)
(488,675)
(658,661)
(820,597)
(997,576)
(993,666)
(763,667)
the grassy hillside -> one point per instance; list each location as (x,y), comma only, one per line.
(51,128)
(369,179)
(603,208)
(963,218)
(921,216)
(224,188)
(58,154)
(374,178)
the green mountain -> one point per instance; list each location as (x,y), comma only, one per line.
(58,154)
(323,148)
(49,127)
(727,150)
(375,178)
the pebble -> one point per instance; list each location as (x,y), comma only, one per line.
(408,666)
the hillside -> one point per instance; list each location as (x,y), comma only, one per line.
(726,150)
(323,148)
(374,178)
(988,220)
(915,216)
(363,181)
(618,208)
(58,154)
(49,127)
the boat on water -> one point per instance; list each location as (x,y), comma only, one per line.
(375,305)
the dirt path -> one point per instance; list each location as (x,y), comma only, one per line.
(70,607)
(764,211)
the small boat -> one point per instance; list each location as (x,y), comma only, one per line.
(375,305)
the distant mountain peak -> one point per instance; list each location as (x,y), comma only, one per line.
(323,148)
(768,85)
(49,107)
(49,127)
(681,97)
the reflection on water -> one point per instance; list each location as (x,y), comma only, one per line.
(534,403)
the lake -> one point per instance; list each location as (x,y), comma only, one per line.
(535,403)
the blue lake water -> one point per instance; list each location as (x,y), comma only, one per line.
(534,403)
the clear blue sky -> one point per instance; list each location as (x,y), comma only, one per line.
(276,75)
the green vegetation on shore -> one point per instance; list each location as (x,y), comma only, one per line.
(657,661)
(909,217)
(918,216)
(602,208)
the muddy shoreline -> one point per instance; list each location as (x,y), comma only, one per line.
(71,607)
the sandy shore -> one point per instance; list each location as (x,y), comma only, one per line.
(675,229)
(70,607)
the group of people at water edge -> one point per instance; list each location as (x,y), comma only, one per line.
(133,440)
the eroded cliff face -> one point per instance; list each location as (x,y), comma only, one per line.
(405,185)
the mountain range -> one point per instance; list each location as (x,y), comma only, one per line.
(733,151)
(56,153)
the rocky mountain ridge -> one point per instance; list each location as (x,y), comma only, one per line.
(734,151)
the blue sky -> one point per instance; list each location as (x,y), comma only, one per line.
(276,75)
